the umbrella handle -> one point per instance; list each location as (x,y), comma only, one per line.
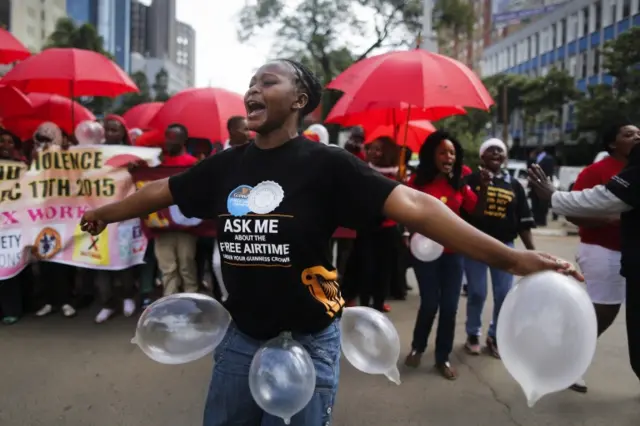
(402,160)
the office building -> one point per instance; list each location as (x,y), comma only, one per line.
(568,38)
(31,21)
(139,27)
(186,50)
(112,20)
(162,29)
(177,76)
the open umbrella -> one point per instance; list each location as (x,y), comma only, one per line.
(369,115)
(411,134)
(47,107)
(417,77)
(11,50)
(204,112)
(70,72)
(140,115)
(13,102)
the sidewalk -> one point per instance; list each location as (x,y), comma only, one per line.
(557,228)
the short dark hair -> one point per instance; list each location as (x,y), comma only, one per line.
(610,134)
(233,122)
(179,127)
(309,84)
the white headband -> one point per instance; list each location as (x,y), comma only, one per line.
(491,143)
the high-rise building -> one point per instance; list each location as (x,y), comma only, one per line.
(186,50)
(31,21)
(139,27)
(162,33)
(112,20)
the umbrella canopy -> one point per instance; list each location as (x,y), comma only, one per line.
(11,50)
(139,116)
(417,77)
(47,107)
(411,134)
(71,73)
(13,102)
(370,115)
(204,112)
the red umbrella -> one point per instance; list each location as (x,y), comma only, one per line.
(11,50)
(416,77)
(369,115)
(204,112)
(13,102)
(140,115)
(47,107)
(71,73)
(413,133)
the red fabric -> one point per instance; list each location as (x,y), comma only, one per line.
(48,107)
(348,112)
(151,139)
(139,116)
(466,170)
(70,72)
(440,188)
(182,160)
(411,135)
(420,78)
(204,112)
(311,136)
(13,102)
(11,49)
(593,175)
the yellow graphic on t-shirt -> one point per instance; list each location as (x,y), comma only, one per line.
(92,249)
(323,286)
(498,199)
(444,199)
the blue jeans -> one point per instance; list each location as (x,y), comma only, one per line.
(477,293)
(439,284)
(229,401)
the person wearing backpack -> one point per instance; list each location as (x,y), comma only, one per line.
(506,217)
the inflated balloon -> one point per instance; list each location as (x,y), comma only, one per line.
(425,249)
(89,133)
(282,377)
(134,134)
(370,342)
(48,132)
(181,328)
(547,333)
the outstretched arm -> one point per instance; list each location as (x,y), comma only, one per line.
(150,198)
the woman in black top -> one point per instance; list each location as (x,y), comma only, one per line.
(277,202)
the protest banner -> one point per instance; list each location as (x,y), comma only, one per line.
(172,219)
(41,206)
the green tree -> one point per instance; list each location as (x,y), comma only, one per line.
(605,104)
(161,86)
(132,99)
(319,31)
(454,18)
(68,34)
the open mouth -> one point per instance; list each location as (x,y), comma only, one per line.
(255,108)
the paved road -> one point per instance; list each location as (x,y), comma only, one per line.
(56,372)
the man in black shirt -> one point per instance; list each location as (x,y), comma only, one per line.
(506,216)
(621,195)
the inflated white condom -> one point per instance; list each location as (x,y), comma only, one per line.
(370,342)
(425,249)
(547,333)
(282,377)
(181,328)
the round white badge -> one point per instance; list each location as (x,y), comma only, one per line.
(265,197)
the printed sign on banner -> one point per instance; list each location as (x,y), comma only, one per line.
(41,206)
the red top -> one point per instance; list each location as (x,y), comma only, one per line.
(440,188)
(593,175)
(466,171)
(182,160)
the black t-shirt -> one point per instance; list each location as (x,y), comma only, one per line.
(276,211)
(507,211)
(626,186)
